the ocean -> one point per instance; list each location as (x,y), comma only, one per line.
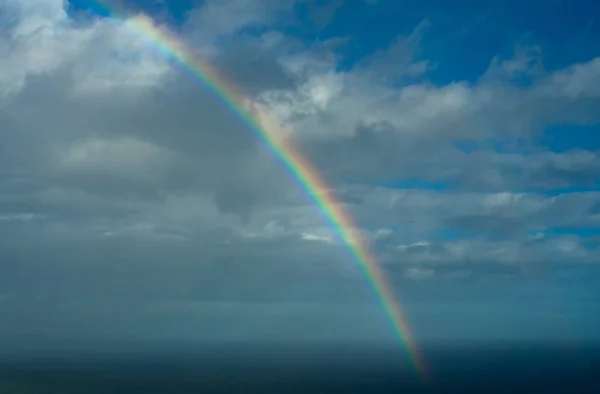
(499,367)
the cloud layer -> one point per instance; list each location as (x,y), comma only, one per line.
(122,179)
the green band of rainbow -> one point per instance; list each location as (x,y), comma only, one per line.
(303,171)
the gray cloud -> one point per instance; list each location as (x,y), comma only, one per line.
(126,186)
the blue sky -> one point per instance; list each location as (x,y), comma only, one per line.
(462,137)
(563,30)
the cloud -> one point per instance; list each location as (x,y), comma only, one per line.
(400,58)
(217,20)
(322,14)
(101,133)
(527,62)
(123,181)
(416,273)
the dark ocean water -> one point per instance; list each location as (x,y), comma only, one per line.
(310,368)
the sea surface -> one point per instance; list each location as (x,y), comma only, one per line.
(314,368)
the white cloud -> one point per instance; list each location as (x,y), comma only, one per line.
(131,170)
(39,41)
(345,101)
(527,61)
(222,19)
(314,237)
(115,157)
(579,81)
(416,273)
(102,55)
(18,217)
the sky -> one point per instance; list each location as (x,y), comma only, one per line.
(462,138)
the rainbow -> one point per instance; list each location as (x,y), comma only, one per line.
(276,140)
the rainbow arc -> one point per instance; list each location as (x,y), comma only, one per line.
(276,139)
